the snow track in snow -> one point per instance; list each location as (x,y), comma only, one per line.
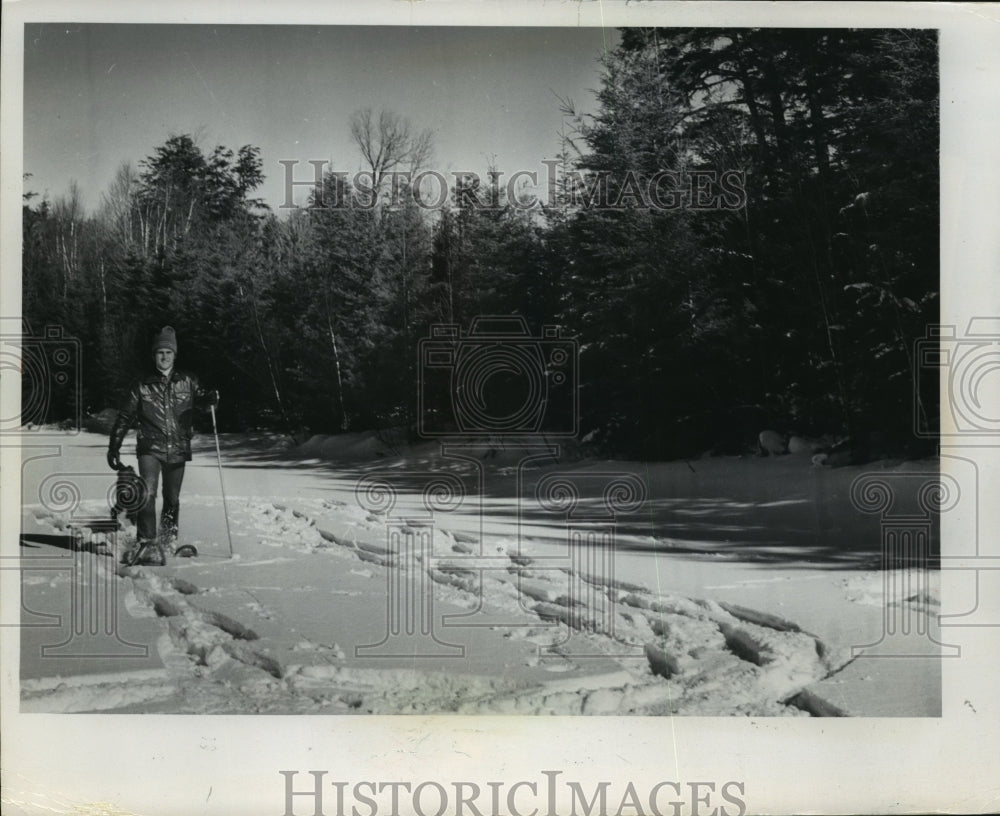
(658,654)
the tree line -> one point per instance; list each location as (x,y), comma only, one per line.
(697,327)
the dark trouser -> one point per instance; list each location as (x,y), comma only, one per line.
(150,469)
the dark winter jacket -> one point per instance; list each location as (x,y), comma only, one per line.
(162,409)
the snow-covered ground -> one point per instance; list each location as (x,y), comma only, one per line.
(515,584)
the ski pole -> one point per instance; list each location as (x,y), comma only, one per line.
(222,483)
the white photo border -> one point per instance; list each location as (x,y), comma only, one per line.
(167,765)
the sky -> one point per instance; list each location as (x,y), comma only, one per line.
(96,95)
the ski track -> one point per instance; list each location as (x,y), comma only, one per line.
(697,657)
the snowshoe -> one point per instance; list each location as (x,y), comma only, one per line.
(155,551)
(146,553)
(172,548)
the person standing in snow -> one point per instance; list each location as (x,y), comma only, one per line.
(161,405)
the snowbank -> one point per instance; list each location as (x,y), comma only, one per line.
(372,446)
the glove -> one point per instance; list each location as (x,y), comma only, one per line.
(212,398)
(114,462)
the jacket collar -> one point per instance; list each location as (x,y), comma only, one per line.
(156,377)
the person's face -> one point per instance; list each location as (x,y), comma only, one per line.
(164,359)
